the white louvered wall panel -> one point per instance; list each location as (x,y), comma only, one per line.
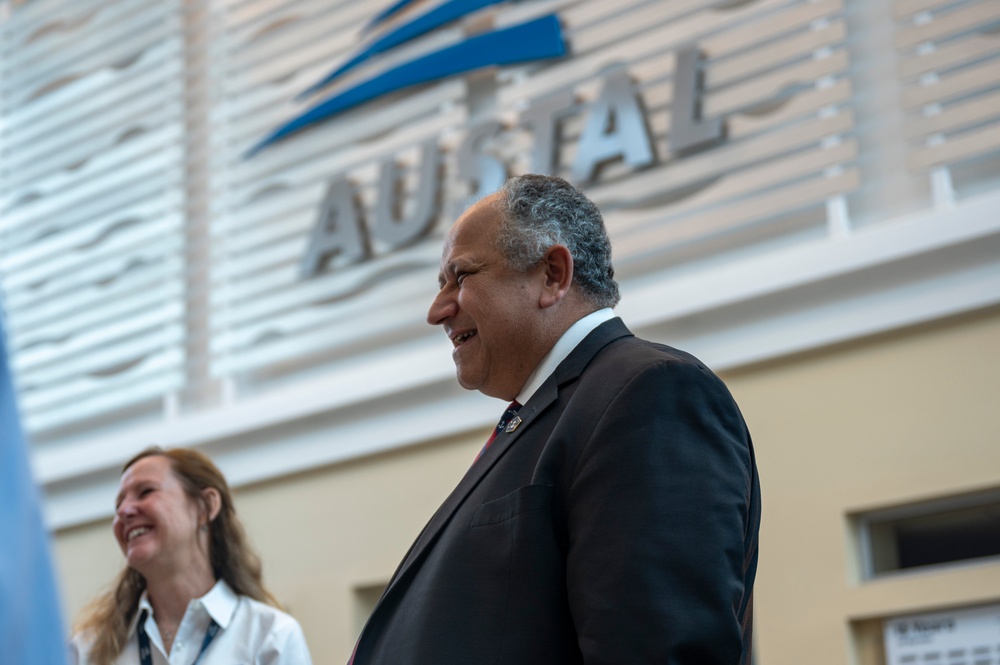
(266,318)
(776,69)
(91,208)
(950,54)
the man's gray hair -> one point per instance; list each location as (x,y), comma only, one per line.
(539,211)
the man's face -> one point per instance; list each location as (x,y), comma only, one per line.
(489,311)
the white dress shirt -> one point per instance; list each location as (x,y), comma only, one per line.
(569,341)
(251,633)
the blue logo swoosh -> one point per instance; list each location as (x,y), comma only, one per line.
(538,39)
(436,18)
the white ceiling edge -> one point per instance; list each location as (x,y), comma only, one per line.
(911,270)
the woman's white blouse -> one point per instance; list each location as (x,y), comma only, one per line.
(251,633)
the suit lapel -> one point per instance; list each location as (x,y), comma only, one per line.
(567,371)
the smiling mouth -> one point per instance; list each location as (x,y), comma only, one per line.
(458,340)
(134,533)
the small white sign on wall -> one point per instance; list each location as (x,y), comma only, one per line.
(958,637)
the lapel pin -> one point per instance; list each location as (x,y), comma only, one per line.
(512,425)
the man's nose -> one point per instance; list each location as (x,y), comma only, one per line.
(442,308)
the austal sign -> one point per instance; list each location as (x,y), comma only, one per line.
(615,128)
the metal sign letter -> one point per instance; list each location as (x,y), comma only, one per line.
(688,131)
(391,225)
(338,233)
(616,127)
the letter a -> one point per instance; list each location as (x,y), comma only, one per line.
(616,127)
(338,233)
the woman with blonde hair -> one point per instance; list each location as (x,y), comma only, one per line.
(191,592)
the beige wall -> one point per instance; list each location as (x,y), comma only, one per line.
(875,423)
(870,424)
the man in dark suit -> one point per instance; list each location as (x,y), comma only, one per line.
(614,517)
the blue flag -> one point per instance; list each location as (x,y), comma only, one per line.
(31,627)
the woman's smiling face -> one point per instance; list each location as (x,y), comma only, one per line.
(156,522)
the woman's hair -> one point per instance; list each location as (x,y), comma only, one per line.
(109,616)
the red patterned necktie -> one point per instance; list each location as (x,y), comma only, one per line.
(505,419)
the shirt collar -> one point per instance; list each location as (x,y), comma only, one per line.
(569,341)
(220,603)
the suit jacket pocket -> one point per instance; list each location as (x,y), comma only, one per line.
(521,500)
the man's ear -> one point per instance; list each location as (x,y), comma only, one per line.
(557,266)
(213,502)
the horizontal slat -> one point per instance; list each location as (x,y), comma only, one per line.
(659,43)
(290,213)
(904,8)
(156,233)
(942,26)
(150,322)
(770,26)
(964,82)
(73,390)
(713,164)
(768,175)
(330,30)
(159,175)
(32,16)
(956,116)
(50,236)
(105,402)
(73,146)
(391,294)
(100,313)
(106,317)
(649,234)
(94,114)
(90,276)
(81,95)
(145,147)
(293,294)
(767,87)
(285,252)
(104,314)
(334,331)
(801,43)
(107,361)
(108,48)
(87,236)
(242,15)
(950,55)
(628,20)
(232,218)
(966,146)
(138,280)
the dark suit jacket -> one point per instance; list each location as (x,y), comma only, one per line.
(616,524)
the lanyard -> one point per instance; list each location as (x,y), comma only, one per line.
(146,657)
